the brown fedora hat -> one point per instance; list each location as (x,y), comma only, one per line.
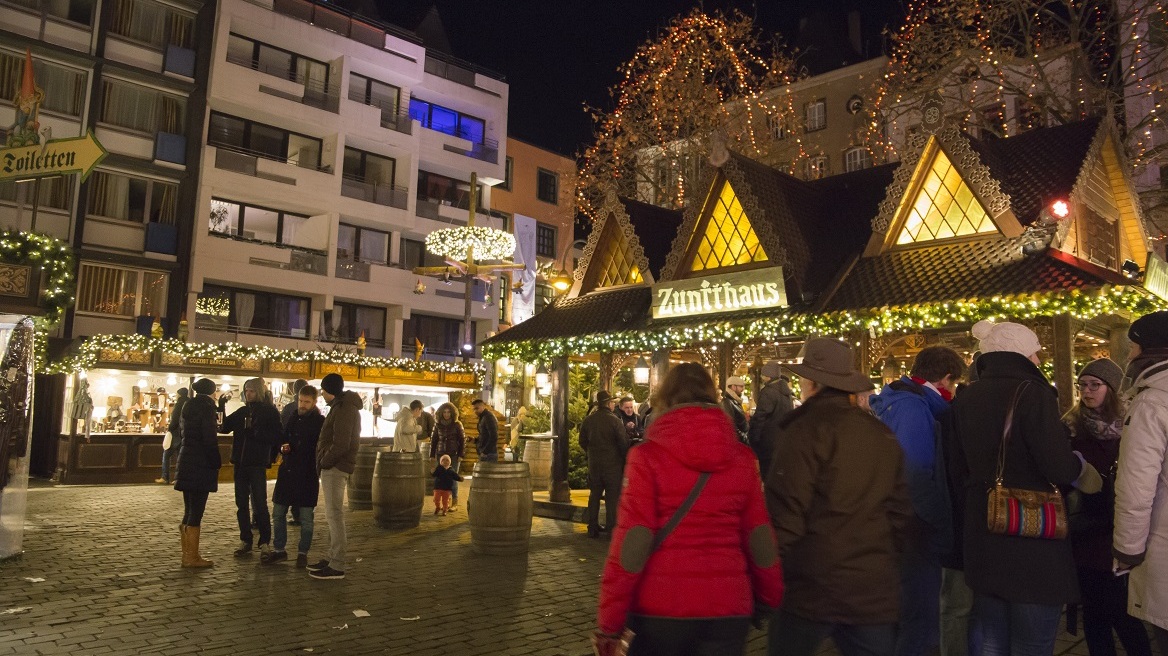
(829,362)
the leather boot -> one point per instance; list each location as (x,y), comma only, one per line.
(182,532)
(191,557)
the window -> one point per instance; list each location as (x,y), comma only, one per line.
(277,62)
(944,207)
(439,335)
(247,311)
(438,188)
(151,23)
(545,240)
(117,291)
(362,244)
(547,186)
(263,141)
(256,223)
(545,295)
(369,168)
(140,108)
(55,193)
(75,11)
(729,238)
(508,174)
(448,121)
(1100,237)
(857,158)
(414,254)
(777,126)
(130,198)
(64,87)
(368,91)
(347,322)
(815,167)
(815,115)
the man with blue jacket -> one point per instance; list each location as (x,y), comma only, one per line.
(911,407)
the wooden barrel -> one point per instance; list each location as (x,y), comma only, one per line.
(499,508)
(398,490)
(537,453)
(361,482)
(424,450)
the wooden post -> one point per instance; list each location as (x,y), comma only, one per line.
(606,372)
(658,367)
(560,492)
(1119,345)
(725,363)
(1064,361)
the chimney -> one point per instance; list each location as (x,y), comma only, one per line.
(854,32)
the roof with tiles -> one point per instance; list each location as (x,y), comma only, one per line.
(610,310)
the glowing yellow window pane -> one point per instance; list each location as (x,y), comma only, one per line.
(944,206)
(728,239)
(614,258)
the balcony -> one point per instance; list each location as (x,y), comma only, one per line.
(337,337)
(314,93)
(388,195)
(340,21)
(301,261)
(487,150)
(393,117)
(353,270)
(457,70)
(248,162)
(212,325)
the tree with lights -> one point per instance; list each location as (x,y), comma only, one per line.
(1005,66)
(704,73)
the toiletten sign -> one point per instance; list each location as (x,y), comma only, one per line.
(715,294)
(1156,276)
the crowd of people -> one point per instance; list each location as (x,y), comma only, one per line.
(317,453)
(955,512)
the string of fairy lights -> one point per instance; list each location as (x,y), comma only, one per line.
(53,258)
(1078,304)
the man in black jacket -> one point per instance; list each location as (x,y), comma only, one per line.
(256,433)
(297,484)
(604,439)
(488,440)
(174,428)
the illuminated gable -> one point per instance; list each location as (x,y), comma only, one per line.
(614,262)
(728,239)
(944,206)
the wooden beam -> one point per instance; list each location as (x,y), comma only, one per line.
(560,491)
(1064,361)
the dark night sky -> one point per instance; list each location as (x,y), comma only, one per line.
(559,54)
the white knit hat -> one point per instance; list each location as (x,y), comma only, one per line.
(1006,336)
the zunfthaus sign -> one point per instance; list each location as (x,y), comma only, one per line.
(728,292)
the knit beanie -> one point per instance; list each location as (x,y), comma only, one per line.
(1006,336)
(298,385)
(259,386)
(772,370)
(1150,331)
(1106,371)
(204,386)
(333,384)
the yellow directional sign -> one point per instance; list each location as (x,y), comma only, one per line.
(54,157)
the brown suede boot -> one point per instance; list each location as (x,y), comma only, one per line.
(182,532)
(191,557)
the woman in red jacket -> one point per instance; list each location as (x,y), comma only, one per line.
(697,591)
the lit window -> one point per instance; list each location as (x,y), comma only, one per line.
(945,207)
(816,167)
(122,292)
(729,239)
(777,126)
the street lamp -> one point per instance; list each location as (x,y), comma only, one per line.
(641,372)
(560,279)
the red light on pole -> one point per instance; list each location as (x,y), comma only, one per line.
(1060,209)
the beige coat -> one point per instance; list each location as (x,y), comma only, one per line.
(1141,495)
(405,436)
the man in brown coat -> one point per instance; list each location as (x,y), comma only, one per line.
(336,457)
(839,504)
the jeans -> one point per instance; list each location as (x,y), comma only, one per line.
(681,637)
(251,485)
(605,481)
(167,454)
(791,635)
(333,482)
(280,537)
(454,490)
(919,631)
(956,604)
(1161,638)
(1104,609)
(1008,628)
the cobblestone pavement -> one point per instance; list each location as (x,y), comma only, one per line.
(109,557)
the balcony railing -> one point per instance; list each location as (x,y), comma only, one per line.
(341,21)
(316,92)
(394,116)
(487,151)
(302,261)
(382,194)
(352,270)
(203,323)
(457,70)
(243,160)
(338,338)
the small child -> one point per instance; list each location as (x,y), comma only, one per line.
(444,478)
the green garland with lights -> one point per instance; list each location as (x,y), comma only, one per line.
(1079,304)
(54,258)
(86,356)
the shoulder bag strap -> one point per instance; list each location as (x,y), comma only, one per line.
(680,513)
(1006,430)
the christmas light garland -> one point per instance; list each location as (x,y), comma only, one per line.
(1079,304)
(488,243)
(49,255)
(86,357)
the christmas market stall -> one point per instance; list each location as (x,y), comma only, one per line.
(1042,228)
(120,391)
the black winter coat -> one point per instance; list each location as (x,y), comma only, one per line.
(198,458)
(257,430)
(488,439)
(1020,570)
(175,425)
(296,481)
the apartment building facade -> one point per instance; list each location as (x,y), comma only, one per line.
(333,145)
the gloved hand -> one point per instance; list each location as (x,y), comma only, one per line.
(611,644)
(1089,481)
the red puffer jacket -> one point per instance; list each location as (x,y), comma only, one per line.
(721,558)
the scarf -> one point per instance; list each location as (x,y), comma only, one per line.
(945,394)
(1097,427)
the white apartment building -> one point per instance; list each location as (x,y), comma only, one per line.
(333,145)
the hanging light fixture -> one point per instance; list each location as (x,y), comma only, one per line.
(541,377)
(641,371)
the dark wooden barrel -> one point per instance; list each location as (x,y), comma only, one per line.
(361,482)
(398,490)
(537,453)
(424,449)
(499,508)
